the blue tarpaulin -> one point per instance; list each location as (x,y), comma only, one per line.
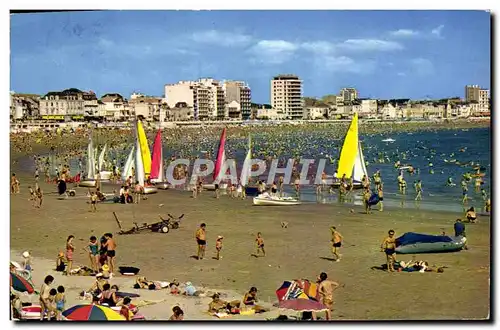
(413,238)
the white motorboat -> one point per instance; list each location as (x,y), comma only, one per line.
(150,190)
(388,140)
(88,183)
(267,199)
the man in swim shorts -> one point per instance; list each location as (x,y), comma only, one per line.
(337,242)
(389,247)
(201,240)
(111,251)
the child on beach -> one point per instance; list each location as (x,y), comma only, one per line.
(60,262)
(60,300)
(93,202)
(44,296)
(70,248)
(218,246)
(93,251)
(39,196)
(27,261)
(336,242)
(260,244)
(111,253)
(366,197)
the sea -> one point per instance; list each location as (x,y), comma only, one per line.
(436,156)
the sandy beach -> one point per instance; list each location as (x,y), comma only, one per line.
(300,251)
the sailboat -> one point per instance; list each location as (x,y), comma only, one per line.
(157,172)
(91,165)
(352,162)
(129,164)
(105,175)
(219,163)
(143,160)
(245,172)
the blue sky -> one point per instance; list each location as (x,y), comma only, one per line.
(384,54)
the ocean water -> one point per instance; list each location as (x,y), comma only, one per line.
(437,155)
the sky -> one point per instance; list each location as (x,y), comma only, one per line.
(383,54)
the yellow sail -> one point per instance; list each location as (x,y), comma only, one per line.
(146,154)
(349,150)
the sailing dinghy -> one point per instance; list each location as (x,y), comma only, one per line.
(352,162)
(105,175)
(143,160)
(274,200)
(91,165)
(157,173)
(219,163)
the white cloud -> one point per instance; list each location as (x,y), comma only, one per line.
(227,39)
(404,33)
(318,47)
(437,31)
(422,66)
(346,64)
(401,74)
(370,45)
(273,51)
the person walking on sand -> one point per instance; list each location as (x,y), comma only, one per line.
(138,190)
(259,241)
(389,247)
(336,242)
(218,246)
(110,246)
(201,240)
(70,248)
(380,198)
(217,192)
(39,196)
(280,185)
(93,202)
(325,291)
(366,198)
(418,190)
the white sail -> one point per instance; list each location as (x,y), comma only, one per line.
(101,157)
(245,171)
(90,161)
(359,169)
(127,169)
(139,166)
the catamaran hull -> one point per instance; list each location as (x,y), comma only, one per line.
(87,183)
(357,185)
(211,186)
(148,190)
(438,247)
(106,175)
(274,202)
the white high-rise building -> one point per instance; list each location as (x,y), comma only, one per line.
(286,96)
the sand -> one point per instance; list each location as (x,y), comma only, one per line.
(300,251)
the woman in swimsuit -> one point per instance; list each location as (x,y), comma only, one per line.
(93,250)
(109,295)
(70,248)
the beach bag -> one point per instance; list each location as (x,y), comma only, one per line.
(373,200)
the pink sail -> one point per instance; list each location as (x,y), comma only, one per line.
(221,156)
(157,159)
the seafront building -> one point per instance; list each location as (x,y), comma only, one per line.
(286,96)
(238,99)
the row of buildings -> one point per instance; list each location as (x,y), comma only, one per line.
(209,99)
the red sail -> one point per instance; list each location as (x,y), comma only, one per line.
(157,159)
(221,155)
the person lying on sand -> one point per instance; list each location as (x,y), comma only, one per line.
(142,283)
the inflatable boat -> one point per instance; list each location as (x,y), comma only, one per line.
(411,243)
(266,199)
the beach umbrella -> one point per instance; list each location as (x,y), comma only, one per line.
(92,313)
(297,289)
(19,283)
(303,305)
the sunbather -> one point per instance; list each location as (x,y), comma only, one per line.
(218,305)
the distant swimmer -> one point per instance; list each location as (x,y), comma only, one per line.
(450,182)
(418,190)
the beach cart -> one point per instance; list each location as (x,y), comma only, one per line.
(162,226)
